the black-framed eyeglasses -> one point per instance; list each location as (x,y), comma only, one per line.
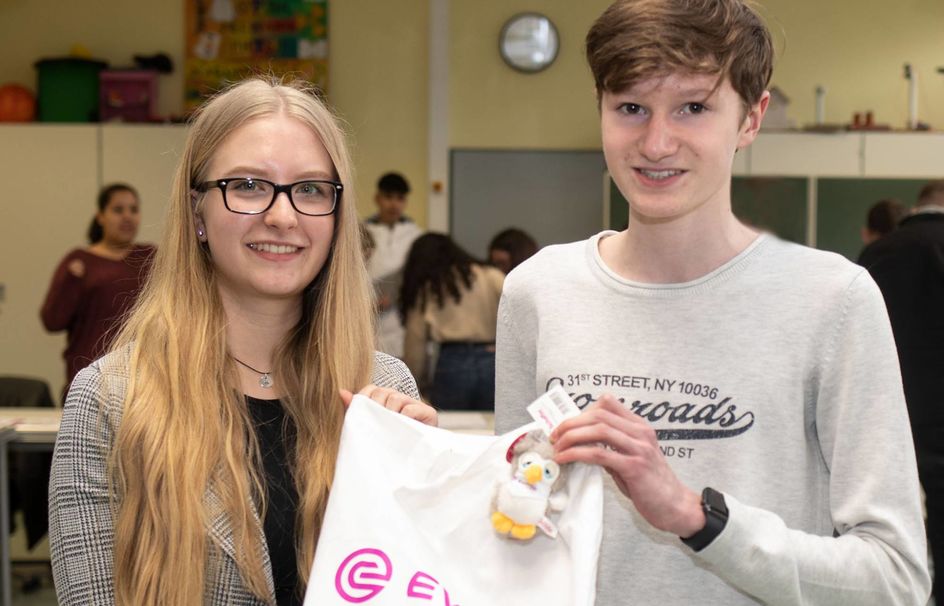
(248,196)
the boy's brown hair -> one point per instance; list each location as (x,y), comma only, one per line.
(932,194)
(884,215)
(636,39)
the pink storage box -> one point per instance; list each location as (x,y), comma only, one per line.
(127,95)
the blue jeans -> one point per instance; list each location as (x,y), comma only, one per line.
(464,377)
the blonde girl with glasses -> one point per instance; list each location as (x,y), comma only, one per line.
(194,461)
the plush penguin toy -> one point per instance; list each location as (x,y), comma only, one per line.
(523,501)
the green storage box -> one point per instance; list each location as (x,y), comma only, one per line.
(68,89)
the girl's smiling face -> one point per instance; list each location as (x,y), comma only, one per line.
(278,253)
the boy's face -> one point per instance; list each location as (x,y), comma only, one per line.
(390,206)
(669,144)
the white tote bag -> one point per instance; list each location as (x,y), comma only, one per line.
(408,523)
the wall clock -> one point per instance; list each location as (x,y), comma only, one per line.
(529,42)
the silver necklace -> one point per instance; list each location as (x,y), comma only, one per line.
(265,380)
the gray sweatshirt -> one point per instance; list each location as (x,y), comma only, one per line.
(773,379)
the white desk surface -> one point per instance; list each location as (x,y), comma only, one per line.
(32,424)
(467,421)
(41,424)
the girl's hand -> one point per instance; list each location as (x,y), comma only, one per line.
(397,402)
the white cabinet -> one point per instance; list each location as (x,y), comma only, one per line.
(845,173)
(892,155)
(802,155)
(903,155)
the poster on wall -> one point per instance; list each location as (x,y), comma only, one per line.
(228,40)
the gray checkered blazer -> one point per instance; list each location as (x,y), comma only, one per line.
(81,528)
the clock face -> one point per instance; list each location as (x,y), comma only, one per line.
(529,42)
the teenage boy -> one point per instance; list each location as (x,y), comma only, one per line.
(742,392)
(393,233)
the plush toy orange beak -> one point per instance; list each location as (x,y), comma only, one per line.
(533,474)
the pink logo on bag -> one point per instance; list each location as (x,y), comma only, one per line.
(367,572)
(419,588)
(362,575)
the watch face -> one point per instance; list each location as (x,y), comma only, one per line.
(713,501)
(529,42)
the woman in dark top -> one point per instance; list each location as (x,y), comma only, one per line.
(94,287)
(194,461)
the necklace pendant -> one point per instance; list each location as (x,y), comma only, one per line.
(265,381)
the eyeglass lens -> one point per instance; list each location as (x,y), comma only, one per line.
(254,196)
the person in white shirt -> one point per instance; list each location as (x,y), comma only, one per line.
(393,234)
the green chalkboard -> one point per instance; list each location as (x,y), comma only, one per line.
(618,209)
(843,204)
(775,204)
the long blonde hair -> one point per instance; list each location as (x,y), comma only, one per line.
(185,435)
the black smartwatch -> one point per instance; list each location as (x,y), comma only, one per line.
(716,516)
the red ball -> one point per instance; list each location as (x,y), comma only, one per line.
(17,104)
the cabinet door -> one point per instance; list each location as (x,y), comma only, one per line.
(48,200)
(145,156)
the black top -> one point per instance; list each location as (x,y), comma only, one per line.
(908,265)
(276,436)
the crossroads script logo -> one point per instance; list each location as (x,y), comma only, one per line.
(685,418)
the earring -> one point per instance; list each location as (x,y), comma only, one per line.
(200,232)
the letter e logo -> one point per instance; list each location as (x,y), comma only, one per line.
(362,575)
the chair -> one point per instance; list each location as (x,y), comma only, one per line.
(23,391)
(29,471)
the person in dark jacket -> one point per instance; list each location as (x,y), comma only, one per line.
(908,265)
(882,219)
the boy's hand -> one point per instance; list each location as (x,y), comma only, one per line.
(397,402)
(612,436)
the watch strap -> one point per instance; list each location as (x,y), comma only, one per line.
(716,518)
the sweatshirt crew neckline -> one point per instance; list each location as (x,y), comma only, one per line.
(611,279)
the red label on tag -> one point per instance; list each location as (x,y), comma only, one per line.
(547,527)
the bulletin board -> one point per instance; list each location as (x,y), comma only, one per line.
(228,40)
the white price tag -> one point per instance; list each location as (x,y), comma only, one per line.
(552,408)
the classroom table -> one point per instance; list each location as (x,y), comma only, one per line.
(21,429)
(468,421)
(7,433)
